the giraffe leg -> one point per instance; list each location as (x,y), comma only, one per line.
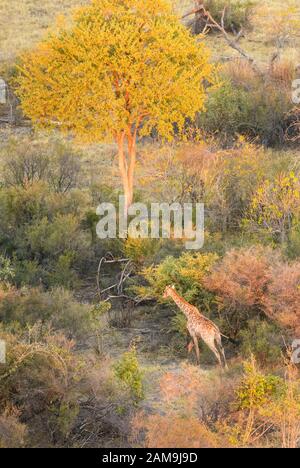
(189,342)
(197,349)
(217,354)
(188,338)
(222,352)
(224,357)
(190,346)
(218,341)
(212,347)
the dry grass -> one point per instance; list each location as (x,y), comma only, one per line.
(284,71)
(259,42)
(24,22)
(240,71)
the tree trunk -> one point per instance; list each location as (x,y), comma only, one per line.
(127,167)
(132,162)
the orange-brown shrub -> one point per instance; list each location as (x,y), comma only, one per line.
(178,396)
(208,396)
(188,414)
(172,431)
(12,431)
(240,281)
(282,299)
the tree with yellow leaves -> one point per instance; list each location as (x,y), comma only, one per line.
(123,68)
(275,206)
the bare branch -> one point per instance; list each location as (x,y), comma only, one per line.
(223,18)
(213,24)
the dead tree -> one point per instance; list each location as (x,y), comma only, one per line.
(122,314)
(211,23)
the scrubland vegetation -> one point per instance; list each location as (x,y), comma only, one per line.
(84,369)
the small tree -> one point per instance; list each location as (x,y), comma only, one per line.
(275,207)
(281,301)
(124,67)
(128,371)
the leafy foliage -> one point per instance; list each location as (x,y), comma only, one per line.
(186,272)
(27,160)
(276,206)
(250,108)
(127,370)
(257,389)
(122,70)
(139,69)
(58,307)
(42,366)
(262,340)
(281,303)
(7,272)
(148,64)
(239,281)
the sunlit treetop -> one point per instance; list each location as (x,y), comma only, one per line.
(122,65)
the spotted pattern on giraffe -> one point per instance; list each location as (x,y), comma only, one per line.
(199,327)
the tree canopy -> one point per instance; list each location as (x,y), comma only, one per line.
(123,66)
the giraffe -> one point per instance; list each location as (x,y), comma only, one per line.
(199,326)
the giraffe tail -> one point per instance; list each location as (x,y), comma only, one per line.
(232,340)
(224,336)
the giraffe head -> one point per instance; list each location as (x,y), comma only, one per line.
(168,291)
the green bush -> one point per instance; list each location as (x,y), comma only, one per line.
(63,416)
(42,379)
(293,247)
(142,251)
(27,160)
(52,238)
(61,273)
(7,272)
(228,110)
(128,371)
(253,110)
(43,233)
(57,307)
(37,204)
(29,273)
(262,340)
(18,207)
(186,273)
(178,323)
(256,388)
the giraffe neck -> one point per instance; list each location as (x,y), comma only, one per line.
(181,303)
